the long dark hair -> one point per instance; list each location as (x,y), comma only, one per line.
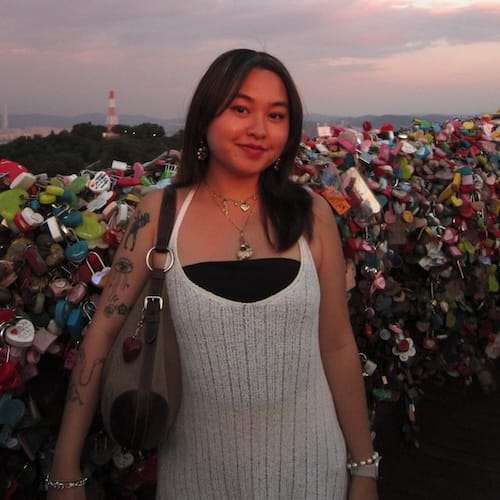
(286,207)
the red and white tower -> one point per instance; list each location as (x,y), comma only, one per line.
(111,116)
(5,118)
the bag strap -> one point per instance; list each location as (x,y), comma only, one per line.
(166,219)
(154,302)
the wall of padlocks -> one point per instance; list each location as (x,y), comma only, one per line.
(418,211)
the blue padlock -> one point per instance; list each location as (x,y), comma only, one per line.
(77,251)
(61,312)
(75,323)
(72,218)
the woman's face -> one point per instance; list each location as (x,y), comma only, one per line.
(250,134)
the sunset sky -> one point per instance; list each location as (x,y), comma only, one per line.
(349,58)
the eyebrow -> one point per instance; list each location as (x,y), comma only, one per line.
(249,98)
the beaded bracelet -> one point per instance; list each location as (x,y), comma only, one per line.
(351,464)
(59,484)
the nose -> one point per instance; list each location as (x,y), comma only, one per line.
(257,126)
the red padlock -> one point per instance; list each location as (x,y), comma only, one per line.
(35,260)
(6,314)
(10,375)
(92,264)
(26,220)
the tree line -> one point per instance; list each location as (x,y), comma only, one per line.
(86,145)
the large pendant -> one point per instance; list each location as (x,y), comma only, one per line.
(245,251)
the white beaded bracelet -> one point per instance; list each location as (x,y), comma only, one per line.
(59,484)
(352,465)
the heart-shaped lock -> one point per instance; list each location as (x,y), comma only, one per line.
(20,334)
(131,348)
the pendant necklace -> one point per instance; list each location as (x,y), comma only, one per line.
(244,250)
(243,205)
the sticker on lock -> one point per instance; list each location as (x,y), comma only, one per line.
(20,334)
(100,182)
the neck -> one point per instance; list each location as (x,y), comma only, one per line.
(240,188)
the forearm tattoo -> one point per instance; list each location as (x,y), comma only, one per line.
(83,378)
(73,396)
(119,282)
(120,309)
(122,268)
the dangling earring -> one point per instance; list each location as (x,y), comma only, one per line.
(202,151)
(276,165)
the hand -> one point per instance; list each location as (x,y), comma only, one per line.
(363,488)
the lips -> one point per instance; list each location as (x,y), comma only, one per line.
(252,150)
(255,147)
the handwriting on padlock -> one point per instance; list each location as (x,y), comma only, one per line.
(100,182)
(99,278)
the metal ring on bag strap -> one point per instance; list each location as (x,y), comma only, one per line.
(168,262)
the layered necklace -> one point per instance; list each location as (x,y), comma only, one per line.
(244,250)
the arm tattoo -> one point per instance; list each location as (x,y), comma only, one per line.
(84,381)
(121,309)
(140,220)
(122,267)
(73,395)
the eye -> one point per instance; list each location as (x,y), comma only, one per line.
(239,109)
(278,116)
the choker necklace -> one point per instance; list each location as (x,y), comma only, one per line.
(244,250)
(243,205)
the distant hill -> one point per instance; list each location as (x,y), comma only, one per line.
(171,126)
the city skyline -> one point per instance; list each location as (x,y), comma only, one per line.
(348,59)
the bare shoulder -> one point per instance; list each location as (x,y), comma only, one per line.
(322,210)
(325,244)
(151,200)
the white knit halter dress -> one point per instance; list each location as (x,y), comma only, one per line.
(257,419)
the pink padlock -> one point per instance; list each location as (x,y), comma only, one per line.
(43,340)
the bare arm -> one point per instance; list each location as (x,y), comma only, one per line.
(339,351)
(123,285)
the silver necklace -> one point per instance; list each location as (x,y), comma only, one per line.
(243,205)
(244,250)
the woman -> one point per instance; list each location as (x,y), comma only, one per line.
(272,386)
